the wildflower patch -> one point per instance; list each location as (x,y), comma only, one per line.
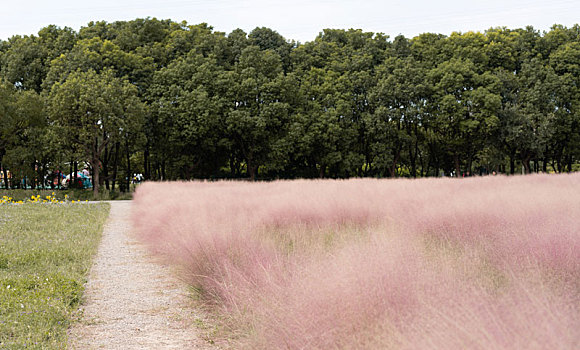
(50,199)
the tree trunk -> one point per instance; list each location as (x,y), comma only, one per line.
(75,172)
(35,172)
(146,164)
(5,171)
(457,165)
(41,169)
(115,165)
(412,156)
(512,165)
(251,167)
(154,171)
(321,171)
(232,167)
(129,175)
(369,164)
(545,165)
(393,169)
(526,164)
(95,163)
(422,162)
(252,171)
(469,164)
(70,173)
(37,178)
(106,168)
(556,160)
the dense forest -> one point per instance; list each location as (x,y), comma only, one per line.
(177,101)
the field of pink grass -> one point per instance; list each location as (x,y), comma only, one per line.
(478,263)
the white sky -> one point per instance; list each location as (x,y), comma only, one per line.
(300,20)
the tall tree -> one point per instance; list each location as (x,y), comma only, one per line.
(465,107)
(91,110)
(190,105)
(565,142)
(400,95)
(258,113)
(22,128)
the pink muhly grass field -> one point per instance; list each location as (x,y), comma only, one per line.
(479,263)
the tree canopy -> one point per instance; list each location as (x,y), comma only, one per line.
(178,101)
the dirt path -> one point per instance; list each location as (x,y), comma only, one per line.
(132,302)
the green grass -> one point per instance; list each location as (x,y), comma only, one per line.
(45,255)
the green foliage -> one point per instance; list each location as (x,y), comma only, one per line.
(45,255)
(177,101)
(22,131)
(92,110)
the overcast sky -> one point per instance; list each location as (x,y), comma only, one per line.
(300,20)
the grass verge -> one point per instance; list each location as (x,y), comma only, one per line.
(45,255)
(73,194)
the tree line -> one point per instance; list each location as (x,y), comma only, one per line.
(177,101)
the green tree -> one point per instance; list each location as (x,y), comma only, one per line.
(91,110)
(190,104)
(97,54)
(23,145)
(400,95)
(23,63)
(565,142)
(527,112)
(258,115)
(465,107)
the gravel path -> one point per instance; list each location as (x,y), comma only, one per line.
(131,301)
